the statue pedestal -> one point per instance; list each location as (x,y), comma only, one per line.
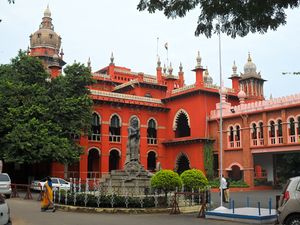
(134,178)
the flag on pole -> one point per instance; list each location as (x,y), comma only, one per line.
(166,45)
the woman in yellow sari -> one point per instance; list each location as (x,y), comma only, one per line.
(47,196)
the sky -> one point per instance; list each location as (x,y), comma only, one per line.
(96,28)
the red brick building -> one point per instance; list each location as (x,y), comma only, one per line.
(175,119)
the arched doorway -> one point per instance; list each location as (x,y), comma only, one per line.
(94,163)
(182,164)
(236,173)
(114,160)
(151,161)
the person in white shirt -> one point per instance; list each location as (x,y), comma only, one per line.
(223,187)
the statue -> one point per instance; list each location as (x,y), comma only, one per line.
(133,144)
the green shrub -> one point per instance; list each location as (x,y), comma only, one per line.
(105,201)
(193,179)
(166,180)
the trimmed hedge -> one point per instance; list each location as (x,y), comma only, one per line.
(166,180)
(193,179)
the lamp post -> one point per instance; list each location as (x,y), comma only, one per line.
(221,119)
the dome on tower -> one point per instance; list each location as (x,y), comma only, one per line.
(45,35)
(249,67)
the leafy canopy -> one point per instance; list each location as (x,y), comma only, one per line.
(193,179)
(237,18)
(38,117)
(166,180)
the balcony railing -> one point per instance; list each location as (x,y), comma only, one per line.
(115,138)
(272,140)
(292,138)
(257,142)
(95,137)
(261,141)
(275,140)
(152,141)
(234,144)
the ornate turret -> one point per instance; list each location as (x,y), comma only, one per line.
(235,78)
(251,82)
(199,71)
(45,44)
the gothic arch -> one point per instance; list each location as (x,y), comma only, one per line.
(151,160)
(177,116)
(116,149)
(234,164)
(182,163)
(98,149)
(115,114)
(152,118)
(151,150)
(114,159)
(100,118)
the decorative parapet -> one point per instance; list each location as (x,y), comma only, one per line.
(258,106)
(126,72)
(131,82)
(170,76)
(213,86)
(106,76)
(125,96)
(182,89)
(150,80)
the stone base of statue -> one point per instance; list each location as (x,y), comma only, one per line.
(133,179)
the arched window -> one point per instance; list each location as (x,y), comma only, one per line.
(272,132)
(115,129)
(95,128)
(279,131)
(254,134)
(292,130)
(279,124)
(231,137)
(254,131)
(238,136)
(151,132)
(93,163)
(151,161)
(114,160)
(234,136)
(183,129)
(235,173)
(261,133)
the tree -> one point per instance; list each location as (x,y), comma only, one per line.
(235,17)
(37,117)
(193,179)
(166,180)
